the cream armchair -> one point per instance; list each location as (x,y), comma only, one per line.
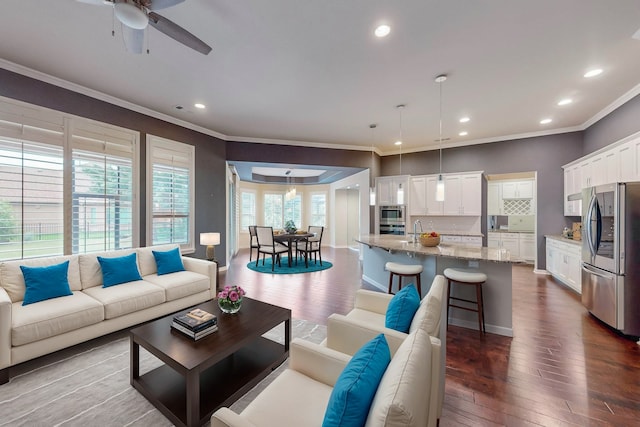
(367,319)
(299,396)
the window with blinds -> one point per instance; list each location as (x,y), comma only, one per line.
(67,184)
(247,209)
(171,206)
(102,184)
(31,183)
(318,209)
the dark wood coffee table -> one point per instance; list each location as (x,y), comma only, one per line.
(201,376)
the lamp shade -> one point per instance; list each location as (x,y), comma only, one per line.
(210,239)
(440,189)
(130,15)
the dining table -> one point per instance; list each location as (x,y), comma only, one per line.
(288,239)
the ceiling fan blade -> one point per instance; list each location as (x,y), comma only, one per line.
(178,33)
(162,4)
(133,39)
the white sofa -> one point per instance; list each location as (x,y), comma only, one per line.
(299,396)
(30,331)
(367,319)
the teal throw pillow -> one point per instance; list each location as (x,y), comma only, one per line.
(169,261)
(356,386)
(44,283)
(402,308)
(119,270)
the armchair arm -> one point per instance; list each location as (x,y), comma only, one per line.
(315,361)
(225,417)
(5,329)
(348,335)
(372,301)
(208,268)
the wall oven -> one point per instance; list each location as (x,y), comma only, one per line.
(392,219)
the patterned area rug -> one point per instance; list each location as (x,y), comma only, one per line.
(88,385)
(284,268)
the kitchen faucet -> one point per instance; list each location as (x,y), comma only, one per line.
(415,235)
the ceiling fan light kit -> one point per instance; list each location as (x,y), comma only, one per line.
(130,14)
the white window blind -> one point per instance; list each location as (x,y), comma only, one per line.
(293,210)
(318,209)
(247,209)
(273,210)
(171,206)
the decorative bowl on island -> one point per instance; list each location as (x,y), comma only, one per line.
(429,239)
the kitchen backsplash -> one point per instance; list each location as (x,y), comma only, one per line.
(446,224)
(521,222)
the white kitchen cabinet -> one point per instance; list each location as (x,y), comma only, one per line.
(433,207)
(517,189)
(527,246)
(612,170)
(494,198)
(507,241)
(462,195)
(572,185)
(475,241)
(387,190)
(450,239)
(418,195)
(627,161)
(564,263)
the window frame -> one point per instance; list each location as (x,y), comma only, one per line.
(255,209)
(326,202)
(181,148)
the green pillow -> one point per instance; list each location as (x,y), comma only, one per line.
(356,386)
(402,308)
(119,270)
(44,283)
(168,261)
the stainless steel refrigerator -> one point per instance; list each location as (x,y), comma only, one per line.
(611,254)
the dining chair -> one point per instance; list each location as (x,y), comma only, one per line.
(311,245)
(268,246)
(253,241)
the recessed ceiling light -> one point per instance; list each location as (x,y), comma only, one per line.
(200,106)
(382,31)
(463,133)
(565,101)
(545,121)
(593,73)
(464,119)
(179,107)
(398,143)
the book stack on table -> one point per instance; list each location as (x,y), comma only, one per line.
(195,324)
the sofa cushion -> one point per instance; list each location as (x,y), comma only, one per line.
(147,261)
(181,284)
(356,386)
(90,271)
(12,279)
(35,322)
(45,283)
(300,397)
(402,397)
(429,314)
(168,261)
(401,309)
(127,297)
(118,270)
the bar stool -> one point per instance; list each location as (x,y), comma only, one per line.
(467,277)
(404,270)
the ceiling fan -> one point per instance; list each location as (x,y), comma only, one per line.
(135,15)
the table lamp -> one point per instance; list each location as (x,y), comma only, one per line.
(210,240)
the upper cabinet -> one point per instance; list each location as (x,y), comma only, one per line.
(517,189)
(512,197)
(462,195)
(388,190)
(618,163)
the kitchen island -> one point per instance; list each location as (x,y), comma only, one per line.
(496,263)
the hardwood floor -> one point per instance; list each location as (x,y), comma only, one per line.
(562,367)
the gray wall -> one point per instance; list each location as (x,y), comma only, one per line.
(618,124)
(544,155)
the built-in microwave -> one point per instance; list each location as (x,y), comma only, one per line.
(392,214)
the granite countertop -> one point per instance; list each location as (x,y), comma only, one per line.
(509,231)
(563,239)
(452,233)
(403,244)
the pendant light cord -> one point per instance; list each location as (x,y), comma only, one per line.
(373,131)
(440,84)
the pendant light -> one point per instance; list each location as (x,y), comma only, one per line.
(372,187)
(400,194)
(291,191)
(440,184)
